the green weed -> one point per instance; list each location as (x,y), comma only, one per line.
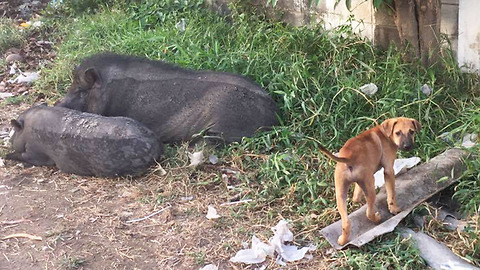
(71,262)
(10,36)
(390,252)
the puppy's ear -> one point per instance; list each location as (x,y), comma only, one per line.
(388,125)
(417,125)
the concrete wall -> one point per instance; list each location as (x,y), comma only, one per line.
(469,35)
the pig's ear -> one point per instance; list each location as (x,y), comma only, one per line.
(92,77)
(16,124)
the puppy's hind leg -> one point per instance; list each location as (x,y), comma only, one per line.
(368,187)
(341,189)
(357,194)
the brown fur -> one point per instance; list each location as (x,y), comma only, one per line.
(361,157)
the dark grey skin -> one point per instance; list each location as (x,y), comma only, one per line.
(175,103)
(83,143)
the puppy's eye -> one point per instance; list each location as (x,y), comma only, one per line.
(398,133)
(411,132)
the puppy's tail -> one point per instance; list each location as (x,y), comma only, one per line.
(330,155)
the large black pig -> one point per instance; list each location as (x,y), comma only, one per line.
(83,143)
(175,103)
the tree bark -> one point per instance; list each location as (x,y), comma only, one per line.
(428,14)
(407,26)
(418,25)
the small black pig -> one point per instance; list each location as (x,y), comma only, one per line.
(83,143)
(174,102)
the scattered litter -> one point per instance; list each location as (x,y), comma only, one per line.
(149,216)
(4,95)
(181,25)
(213,159)
(399,166)
(196,158)
(426,89)
(44,42)
(450,221)
(13,57)
(369,89)
(26,24)
(412,188)
(286,253)
(447,137)
(236,202)
(469,140)
(26,77)
(34,24)
(185,199)
(257,254)
(161,170)
(212,213)
(228,171)
(37,24)
(209,267)
(22,235)
(13,69)
(435,253)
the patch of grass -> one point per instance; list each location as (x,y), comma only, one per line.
(314,75)
(10,36)
(390,252)
(71,262)
(199,257)
(13,100)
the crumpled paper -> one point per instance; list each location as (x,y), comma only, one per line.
(209,267)
(369,89)
(468,140)
(257,254)
(426,89)
(26,77)
(399,166)
(285,253)
(212,213)
(196,158)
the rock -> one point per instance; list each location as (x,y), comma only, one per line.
(14,57)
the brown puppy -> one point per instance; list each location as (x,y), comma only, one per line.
(361,157)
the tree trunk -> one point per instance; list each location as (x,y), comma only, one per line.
(418,25)
(428,13)
(407,26)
